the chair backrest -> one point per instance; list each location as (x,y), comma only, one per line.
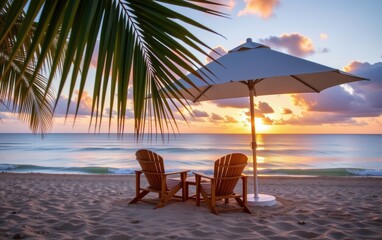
(152,166)
(227,172)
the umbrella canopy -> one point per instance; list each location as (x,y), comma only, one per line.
(254,69)
(273,72)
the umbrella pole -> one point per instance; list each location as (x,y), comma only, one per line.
(253,143)
(256,199)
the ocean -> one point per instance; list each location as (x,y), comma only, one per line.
(277,154)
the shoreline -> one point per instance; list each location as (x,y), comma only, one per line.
(190,174)
(45,206)
(287,172)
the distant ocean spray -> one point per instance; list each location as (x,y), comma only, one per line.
(286,154)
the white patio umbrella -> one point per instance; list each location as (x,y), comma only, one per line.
(254,69)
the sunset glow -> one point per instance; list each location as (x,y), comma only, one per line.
(350,108)
(261,127)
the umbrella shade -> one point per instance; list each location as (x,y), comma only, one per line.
(273,72)
(253,69)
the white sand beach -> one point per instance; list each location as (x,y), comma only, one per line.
(51,206)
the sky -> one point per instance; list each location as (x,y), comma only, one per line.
(342,34)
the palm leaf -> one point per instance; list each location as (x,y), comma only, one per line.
(142,43)
(22,88)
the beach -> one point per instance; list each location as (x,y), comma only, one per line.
(66,206)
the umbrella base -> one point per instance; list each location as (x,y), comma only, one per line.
(264,200)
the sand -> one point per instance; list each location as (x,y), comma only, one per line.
(49,206)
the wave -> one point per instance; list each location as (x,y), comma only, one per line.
(129,171)
(323,172)
(365,172)
(91,149)
(76,170)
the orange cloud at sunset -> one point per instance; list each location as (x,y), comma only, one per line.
(286,111)
(230,119)
(262,8)
(295,44)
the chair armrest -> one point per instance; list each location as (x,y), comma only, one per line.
(203,175)
(172,173)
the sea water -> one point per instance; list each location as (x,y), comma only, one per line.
(277,154)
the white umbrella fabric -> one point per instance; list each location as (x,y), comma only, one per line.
(254,69)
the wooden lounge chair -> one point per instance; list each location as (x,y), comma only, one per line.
(227,172)
(153,169)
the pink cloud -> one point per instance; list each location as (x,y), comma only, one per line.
(216,53)
(199,113)
(216,117)
(261,8)
(310,118)
(294,43)
(343,104)
(84,108)
(265,108)
(94,60)
(355,65)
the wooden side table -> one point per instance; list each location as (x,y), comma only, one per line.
(191,181)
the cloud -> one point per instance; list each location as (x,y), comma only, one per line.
(5,114)
(261,8)
(324,50)
(94,60)
(199,113)
(267,121)
(295,44)
(258,114)
(222,5)
(233,102)
(286,111)
(216,117)
(129,113)
(230,119)
(84,108)
(310,118)
(323,36)
(369,90)
(343,104)
(216,53)
(265,108)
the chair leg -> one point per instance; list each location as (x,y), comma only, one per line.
(242,205)
(213,207)
(245,181)
(139,197)
(167,196)
(183,177)
(197,182)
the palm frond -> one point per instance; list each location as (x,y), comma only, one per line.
(22,88)
(142,43)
